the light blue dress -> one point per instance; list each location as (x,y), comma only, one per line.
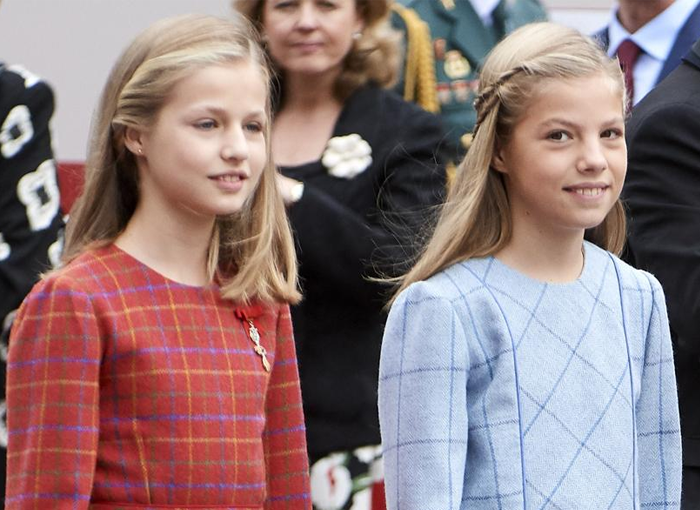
(498,391)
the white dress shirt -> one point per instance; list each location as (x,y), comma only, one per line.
(485,8)
(656,39)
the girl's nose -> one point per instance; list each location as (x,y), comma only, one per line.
(235,146)
(592,157)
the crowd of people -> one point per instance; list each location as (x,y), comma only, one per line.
(362,255)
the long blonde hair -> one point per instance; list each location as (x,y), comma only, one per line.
(374,56)
(252,251)
(475,220)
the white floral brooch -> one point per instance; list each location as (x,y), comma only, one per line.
(347,156)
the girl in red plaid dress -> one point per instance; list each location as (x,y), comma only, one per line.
(156,369)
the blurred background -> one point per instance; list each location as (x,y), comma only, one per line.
(72,44)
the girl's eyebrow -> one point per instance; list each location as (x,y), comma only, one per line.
(223,111)
(560,121)
(568,123)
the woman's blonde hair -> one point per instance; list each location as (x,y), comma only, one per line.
(475,220)
(374,56)
(252,251)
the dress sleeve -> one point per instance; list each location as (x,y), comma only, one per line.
(53,399)
(658,426)
(284,437)
(423,403)
(343,246)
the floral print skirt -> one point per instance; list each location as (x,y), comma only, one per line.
(351,480)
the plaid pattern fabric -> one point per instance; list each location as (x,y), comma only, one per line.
(501,392)
(128,389)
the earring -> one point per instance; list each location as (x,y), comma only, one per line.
(140,151)
(357,35)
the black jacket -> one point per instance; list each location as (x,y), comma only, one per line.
(662,193)
(348,230)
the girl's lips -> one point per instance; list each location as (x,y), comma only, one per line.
(588,192)
(229,182)
(228,178)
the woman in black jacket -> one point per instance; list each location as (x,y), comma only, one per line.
(361,171)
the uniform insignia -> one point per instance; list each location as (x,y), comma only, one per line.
(461,89)
(444,93)
(456,65)
(439,46)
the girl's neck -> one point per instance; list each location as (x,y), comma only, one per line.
(551,259)
(172,246)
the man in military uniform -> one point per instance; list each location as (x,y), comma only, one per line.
(461,33)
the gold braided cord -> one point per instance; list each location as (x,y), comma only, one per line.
(420,84)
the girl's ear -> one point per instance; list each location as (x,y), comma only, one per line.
(133,141)
(498,162)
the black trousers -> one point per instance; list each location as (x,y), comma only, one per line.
(690,500)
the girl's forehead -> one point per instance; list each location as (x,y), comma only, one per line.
(585,99)
(585,88)
(577,82)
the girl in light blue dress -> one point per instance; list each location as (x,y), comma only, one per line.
(522,366)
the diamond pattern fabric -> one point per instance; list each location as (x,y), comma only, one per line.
(498,391)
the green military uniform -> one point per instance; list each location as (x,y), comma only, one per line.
(460,44)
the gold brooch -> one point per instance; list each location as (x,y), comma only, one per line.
(257,347)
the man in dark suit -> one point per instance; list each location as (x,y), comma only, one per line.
(650,37)
(662,193)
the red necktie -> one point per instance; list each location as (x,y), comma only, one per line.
(628,53)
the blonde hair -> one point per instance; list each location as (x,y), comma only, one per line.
(252,251)
(475,220)
(374,56)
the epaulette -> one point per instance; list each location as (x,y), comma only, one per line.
(420,84)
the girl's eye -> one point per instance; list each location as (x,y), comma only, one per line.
(327,5)
(559,136)
(254,127)
(611,133)
(283,5)
(206,124)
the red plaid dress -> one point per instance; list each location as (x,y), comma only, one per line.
(128,390)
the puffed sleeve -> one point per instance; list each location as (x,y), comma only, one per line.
(284,437)
(53,399)
(657,419)
(423,403)
(342,245)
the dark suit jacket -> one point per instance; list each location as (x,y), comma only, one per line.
(348,230)
(662,193)
(685,39)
